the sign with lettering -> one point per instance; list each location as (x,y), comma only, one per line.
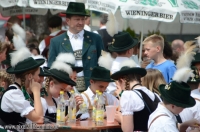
(16,10)
(104,6)
(50,4)
(189,11)
(190,17)
(160,10)
(9,3)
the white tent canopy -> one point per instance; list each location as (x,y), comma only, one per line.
(174,27)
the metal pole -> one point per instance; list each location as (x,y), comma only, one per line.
(141,45)
(24,18)
(90,17)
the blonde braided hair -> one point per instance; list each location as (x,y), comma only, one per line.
(127,83)
(47,81)
(129,78)
(22,75)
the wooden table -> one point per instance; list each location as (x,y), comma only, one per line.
(87,126)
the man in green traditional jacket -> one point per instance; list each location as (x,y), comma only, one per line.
(86,46)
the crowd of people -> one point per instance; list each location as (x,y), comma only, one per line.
(160,94)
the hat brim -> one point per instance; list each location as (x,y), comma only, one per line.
(99,79)
(77,69)
(120,49)
(6,62)
(79,14)
(12,70)
(44,73)
(190,103)
(136,70)
(66,80)
(197,81)
(194,62)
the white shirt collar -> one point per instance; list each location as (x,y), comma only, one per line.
(121,58)
(90,93)
(103,27)
(54,33)
(161,107)
(71,35)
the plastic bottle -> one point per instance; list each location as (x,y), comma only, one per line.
(82,107)
(60,113)
(100,110)
(95,106)
(72,108)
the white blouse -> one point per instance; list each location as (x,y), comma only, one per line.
(14,101)
(130,102)
(43,101)
(51,109)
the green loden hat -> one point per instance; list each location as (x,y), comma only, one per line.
(43,73)
(75,68)
(75,8)
(60,75)
(122,42)
(177,93)
(69,59)
(101,74)
(25,65)
(127,70)
(196,59)
(196,78)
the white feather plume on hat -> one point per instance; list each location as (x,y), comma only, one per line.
(183,74)
(19,55)
(187,56)
(112,25)
(19,31)
(19,36)
(105,60)
(62,67)
(129,63)
(198,40)
(66,58)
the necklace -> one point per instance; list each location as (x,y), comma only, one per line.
(135,85)
(27,96)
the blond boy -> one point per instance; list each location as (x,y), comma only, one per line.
(153,46)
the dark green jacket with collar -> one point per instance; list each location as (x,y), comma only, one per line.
(92,46)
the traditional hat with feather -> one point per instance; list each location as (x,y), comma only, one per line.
(69,59)
(196,59)
(128,67)
(42,73)
(21,61)
(178,91)
(196,77)
(61,71)
(102,72)
(122,41)
(18,42)
(19,36)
